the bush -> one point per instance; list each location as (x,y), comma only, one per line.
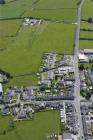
(2,1)
(81,67)
(90,20)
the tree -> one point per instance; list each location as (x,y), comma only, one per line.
(88,95)
(81,67)
(11,125)
(92,68)
(2,1)
(90,20)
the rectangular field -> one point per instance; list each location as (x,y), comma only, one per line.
(15,8)
(54,15)
(54,10)
(37,129)
(47,9)
(9,28)
(87,9)
(86,44)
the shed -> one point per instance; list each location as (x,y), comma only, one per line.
(88,51)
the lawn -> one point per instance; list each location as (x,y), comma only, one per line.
(9,28)
(87,65)
(37,129)
(23,53)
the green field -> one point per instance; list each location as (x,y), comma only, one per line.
(87,9)
(37,129)
(86,34)
(86,13)
(47,9)
(7,1)
(9,28)
(54,10)
(15,9)
(60,14)
(86,44)
(22,54)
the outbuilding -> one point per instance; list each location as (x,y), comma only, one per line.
(88,51)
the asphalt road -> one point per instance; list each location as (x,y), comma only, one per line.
(77,80)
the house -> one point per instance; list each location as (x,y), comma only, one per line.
(67,136)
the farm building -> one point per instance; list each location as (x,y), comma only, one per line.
(83,58)
(88,51)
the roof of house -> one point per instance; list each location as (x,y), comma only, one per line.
(67,136)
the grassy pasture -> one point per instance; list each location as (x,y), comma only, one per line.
(54,10)
(50,9)
(86,44)
(53,4)
(9,28)
(7,1)
(37,129)
(15,9)
(59,14)
(87,9)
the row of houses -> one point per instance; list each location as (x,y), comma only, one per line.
(87,120)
